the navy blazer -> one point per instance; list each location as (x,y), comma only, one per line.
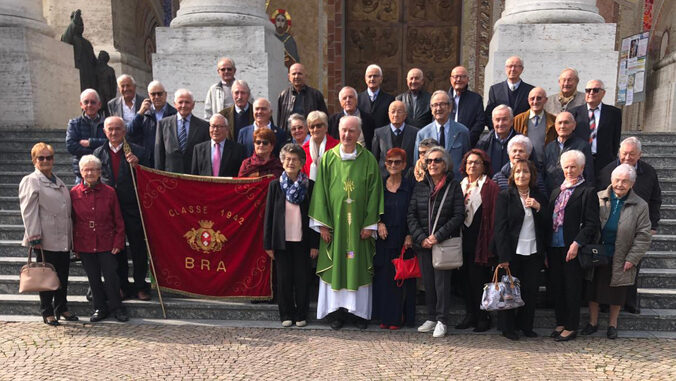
(608,136)
(499,95)
(379,109)
(231,160)
(470,113)
(245,138)
(143,130)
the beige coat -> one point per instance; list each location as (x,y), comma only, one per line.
(45,210)
(633,235)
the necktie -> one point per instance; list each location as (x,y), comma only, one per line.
(216,162)
(373,98)
(536,120)
(592,125)
(442,137)
(182,136)
(397,132)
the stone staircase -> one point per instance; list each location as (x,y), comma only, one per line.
(657,279)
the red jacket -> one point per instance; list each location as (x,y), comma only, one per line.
(330,143)
(97,219)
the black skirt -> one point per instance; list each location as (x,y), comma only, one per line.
(599,290)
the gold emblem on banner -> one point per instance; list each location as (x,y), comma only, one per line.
(205,239)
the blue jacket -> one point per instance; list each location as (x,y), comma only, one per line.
(457,143)
(84,128)
(142,131)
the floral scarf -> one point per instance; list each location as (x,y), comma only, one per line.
(561,202)
(295,190)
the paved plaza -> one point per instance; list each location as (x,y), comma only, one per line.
(146,351)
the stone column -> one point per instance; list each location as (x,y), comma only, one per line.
(205,30)
(41,86)
(551,35)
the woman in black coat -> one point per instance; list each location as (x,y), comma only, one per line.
(574,208)
(422,211)
(521,223)
(287,237)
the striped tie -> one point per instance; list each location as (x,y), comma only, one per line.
(592,125)
(182,136)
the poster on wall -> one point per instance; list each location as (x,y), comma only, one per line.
(631,71)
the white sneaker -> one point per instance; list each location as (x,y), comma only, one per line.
(301,323)
(439,330)
(287,323)
(427,326)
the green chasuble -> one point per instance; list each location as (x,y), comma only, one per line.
(347,197)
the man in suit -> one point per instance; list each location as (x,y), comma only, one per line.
(178,134)
(219,95)
(143,129)
(536,123)
(128,103)
(451,135)
(298,98)
(240,114)
(468,107)
(396,134)
(495,142)
(512,92)
(416,99)
(374,100)
(116,167)
(219,156)
(568,97)
(348,101)
(262,111)
(600,124)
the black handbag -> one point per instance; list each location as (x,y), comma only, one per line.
(593,255)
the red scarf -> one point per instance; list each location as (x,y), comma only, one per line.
(255,164)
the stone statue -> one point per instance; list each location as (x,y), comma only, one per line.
(85,60)
(106,83)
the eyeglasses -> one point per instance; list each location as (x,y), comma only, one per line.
(436,160)
(216,126)
(157,93)
(88,102)
(225,69)
(474,162)
(593,90)
(393,162)
(422,153)
(43,158)
(458,76)
(318,125)
(440,104)
(261,142)
(537,98)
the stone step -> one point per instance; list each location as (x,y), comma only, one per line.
(77,284)
(664,172)
(23,144)
(648,138)
(12,265)
(660,160)
(14,177)
(61,155)
(34,134)
(668,211)
(659,260)
(9,202)
(657,298)
(11,248)
(659,147)
(8,165)
(669,197)
(11,232)
(10,217)
(663,242)
(667,226)
(657,278)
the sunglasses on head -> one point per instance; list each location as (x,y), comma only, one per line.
(262,142)
(43,158)
(437,160)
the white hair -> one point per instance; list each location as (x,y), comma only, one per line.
(522,140)
(503,107)
(126,76)
(90,91)
(440,92)
(579,157)
(349,118)
(632,140)
(241,83)
(374,66)
(267,102)
(571,70)
(603,86)
(347,88)
(227,59)
(155,83)
(88,159)
(624,169)
(181,92)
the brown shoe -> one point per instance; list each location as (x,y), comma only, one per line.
(142,295)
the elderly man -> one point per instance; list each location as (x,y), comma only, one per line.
(85,133)
(536,123)
(298,98)
(453,136)
(220,95)
(512,92)
(240,114)
(396,134)
(495,142)
(262,111)
(519,148)
(374,100)
(416,99)
(219,156)
(565,141)
(143,129)
(346,205)
(348,102)
(128,103)
(568,97)
(117,161)
(178,134)
(599,123)
(468,106)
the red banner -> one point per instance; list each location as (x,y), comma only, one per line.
(206,233)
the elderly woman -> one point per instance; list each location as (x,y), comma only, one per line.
(417,172)
(262,162)
(519,147)
(426,204)
(477,231)
(319,142)
(521,223)
(45,210)
(625,234)
(393,305)
(574,208)
(98,235)
(287,237)
(298,129)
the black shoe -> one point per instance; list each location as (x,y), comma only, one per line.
(361,323)
(337,324)
(482,326)
(632,310)
(121,315)
(555,334)
(510,335)
(589,329)
(467,322)
(69,316)
(529,333)
(612,333)
(98,315)
(570,337)
(50,320)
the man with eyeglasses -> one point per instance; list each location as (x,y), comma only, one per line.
(468,106)
(298,98)
(512,92)
(219,95)
(396,134)
(451,135)
(416,99)
(219,156)
(568,97)
(262,111)
(85,133)
(374,100)
(128,103)
(599,124)
(536,123)
(143,129)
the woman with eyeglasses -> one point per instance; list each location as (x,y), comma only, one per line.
(298,129)
(262,162)
(427,202)
(46,213)
(319,142)
(393,305)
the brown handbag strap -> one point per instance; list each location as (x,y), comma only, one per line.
(30,255)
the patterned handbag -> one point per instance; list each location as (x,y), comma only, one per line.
(38,276)
(503,295)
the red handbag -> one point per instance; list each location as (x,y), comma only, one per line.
(405,268)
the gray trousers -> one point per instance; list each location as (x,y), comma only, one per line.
(437,288)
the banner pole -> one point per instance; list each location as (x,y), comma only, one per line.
(127,149)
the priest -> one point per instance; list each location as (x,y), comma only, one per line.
(346,205)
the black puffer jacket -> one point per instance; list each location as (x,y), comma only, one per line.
(420,220)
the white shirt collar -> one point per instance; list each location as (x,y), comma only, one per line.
(115,149)
(348,156)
